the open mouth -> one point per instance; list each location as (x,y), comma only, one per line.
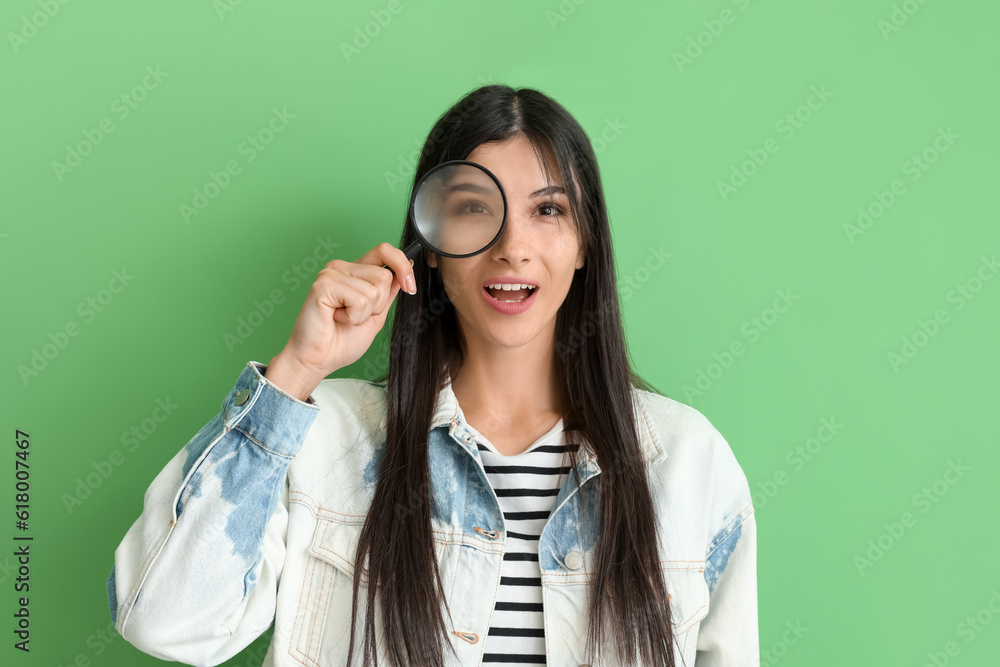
(509,293)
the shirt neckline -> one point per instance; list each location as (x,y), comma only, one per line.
(553,436)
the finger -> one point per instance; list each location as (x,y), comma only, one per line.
(378,276)
(382,314)
(379,312)
(349,296)
(386,296)
(395,259)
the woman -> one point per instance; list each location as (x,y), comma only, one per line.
(379,520)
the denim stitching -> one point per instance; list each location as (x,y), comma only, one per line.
(315,635)
(742,515)
(298,628)
(239,427)
(143,571)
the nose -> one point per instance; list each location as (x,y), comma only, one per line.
(514,244)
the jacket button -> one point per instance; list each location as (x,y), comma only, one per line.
(574,560)
(242,396)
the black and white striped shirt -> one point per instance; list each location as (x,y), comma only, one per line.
(526,485)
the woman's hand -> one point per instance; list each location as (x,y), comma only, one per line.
(344,310)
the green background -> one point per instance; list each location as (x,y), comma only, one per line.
(673,129)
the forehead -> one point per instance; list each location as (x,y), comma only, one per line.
(516,165)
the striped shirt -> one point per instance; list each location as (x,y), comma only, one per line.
(526,485)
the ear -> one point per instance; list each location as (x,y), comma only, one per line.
(580,260)
(432,259)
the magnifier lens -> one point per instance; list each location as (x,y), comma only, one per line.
(458,209)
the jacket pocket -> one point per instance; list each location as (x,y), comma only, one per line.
(689,599)
(321,633)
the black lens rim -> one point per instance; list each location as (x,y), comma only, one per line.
(413,197)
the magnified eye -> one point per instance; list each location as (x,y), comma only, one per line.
(472,207)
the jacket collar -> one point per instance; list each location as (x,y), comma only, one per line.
(448,413)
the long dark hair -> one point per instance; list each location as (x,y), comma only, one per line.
(628,595)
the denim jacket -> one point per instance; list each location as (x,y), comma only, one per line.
(256,520)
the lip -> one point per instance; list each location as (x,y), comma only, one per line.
(508,308)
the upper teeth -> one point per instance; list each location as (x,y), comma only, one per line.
(507,287)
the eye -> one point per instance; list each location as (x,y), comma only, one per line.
(551,209)
(472,207)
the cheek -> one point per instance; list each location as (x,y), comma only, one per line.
(457,284)
(562,237)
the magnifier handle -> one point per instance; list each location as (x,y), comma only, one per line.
(410,252)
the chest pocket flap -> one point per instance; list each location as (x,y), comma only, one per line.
(688,593)
(337,544)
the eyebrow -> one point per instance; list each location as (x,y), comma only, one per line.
(469,187)
(548,190)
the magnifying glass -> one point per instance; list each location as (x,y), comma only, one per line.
(459,210)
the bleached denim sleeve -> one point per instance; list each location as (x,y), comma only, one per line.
(195,578)
(728,636)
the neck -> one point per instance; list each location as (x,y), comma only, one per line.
(504,386)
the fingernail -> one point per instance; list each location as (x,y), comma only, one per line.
(411,286)
(411,262)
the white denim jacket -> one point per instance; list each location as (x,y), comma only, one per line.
(256,520)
